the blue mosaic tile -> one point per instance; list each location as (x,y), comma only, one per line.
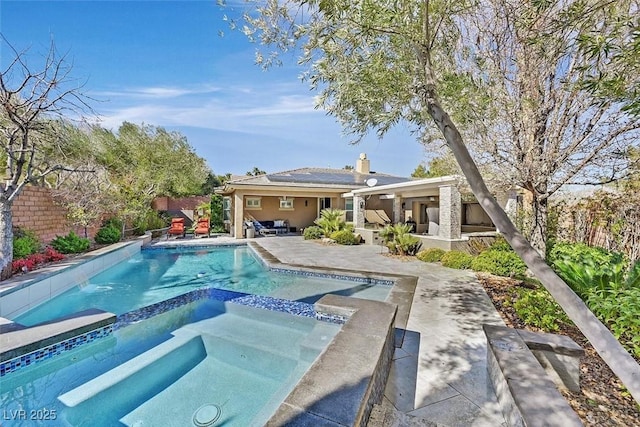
(257,301)
(186,248)
(357,279)
(48,352)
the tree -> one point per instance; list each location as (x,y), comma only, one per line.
(377,64)
(420,172)
(84,190)
(544,129)
(30,103)
(255,172)
(144,162)
(438,166)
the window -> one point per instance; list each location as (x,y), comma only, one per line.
(325,203)
(286,203)
(253,203)
(348,209)
(226,209)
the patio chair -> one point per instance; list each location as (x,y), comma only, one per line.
(375,217)
(202,227)
(176,228)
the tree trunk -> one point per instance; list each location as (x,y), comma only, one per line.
(538,239)
(611,351)
(6,239)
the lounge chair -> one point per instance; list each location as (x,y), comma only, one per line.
(379,217)
(202,227)
(176,228)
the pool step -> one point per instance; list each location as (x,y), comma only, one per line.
(122,389)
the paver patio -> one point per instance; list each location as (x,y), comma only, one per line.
(439,374)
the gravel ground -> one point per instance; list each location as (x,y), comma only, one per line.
(602,401)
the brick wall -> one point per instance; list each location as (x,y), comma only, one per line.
(35,210)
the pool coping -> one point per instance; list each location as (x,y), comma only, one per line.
(344,383)
(401,293)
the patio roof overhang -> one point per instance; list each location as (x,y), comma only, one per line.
(416,188)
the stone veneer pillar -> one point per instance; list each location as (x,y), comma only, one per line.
(397,210)
(238,214)
(450,212)
(358,211)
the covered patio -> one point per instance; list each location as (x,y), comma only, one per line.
(442,216)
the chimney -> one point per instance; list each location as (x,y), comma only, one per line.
(362,164)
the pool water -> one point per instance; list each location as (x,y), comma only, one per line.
(156,275)
(160,371)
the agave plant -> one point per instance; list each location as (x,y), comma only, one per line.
(398,239)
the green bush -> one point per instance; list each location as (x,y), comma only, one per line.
(536,307)
(345,237)
(430,255)
(330,221)
(500,244)
(114,222)
(312,233)
(107,235)
(25,243)
(457,259)
(70,244)
(499,262)
(619,309)
(585,268)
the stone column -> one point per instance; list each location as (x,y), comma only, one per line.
(238,214)
(450,212)
(398,213)
(358,211)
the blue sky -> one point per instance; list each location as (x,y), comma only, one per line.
(164,63)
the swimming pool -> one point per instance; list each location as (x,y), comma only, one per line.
(155,275)
(185,367)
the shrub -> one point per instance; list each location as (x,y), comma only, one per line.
(499,262)
(107,235)
(619,309)
(32,261)
(456,259)
(330,221)
(149,220)
(431,255)
(312,233)
(70,244)
(407,244)
(585,268)
(345,237)
(500,244)
(536,307)
(25,243)
(114,222)
(397,238)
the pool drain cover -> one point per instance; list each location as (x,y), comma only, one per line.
(207,415)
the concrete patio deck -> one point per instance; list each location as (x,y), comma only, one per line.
(439,375)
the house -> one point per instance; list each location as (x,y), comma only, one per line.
(440,212)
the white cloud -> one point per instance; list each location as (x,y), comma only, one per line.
(156,92)
(273,109)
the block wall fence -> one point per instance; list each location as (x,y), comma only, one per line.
(179,203)
(34,209)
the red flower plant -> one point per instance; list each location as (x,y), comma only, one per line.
(32,261)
